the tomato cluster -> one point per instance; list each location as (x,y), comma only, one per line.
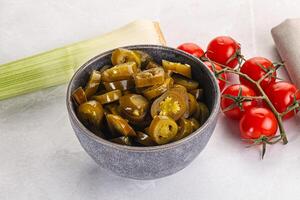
(246,101)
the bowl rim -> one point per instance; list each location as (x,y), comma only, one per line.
(213,114)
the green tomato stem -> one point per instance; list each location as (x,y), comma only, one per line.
(289,110)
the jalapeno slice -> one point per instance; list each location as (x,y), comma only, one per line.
(127,92)
(124,140)
(185,128)
(93,84)
(146,130)
(144,57)
(195,124)
(157,90)
(105,67)
(198,93)
(91,113)
(202,113)
(139,90)
(106,111)
(192,104)
(152,64)
(163,129)
(189,84)
(138,123)
(168,74)
(172,103)
(79,96)
(179,87)
(149,77)
(134,107)
(183,69)
(183,93)
(108,97)
(144,139)
(120,56)
(120,72)
(113,108)
(119,85)
(119,125)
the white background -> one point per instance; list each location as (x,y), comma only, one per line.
(40,157)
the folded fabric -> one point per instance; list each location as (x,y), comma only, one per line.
(287,40)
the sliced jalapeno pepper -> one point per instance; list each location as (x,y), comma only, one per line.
(140,125)
(113,108)
(108,97)
(105,67)
(185,128)
(120,56)
(152,64)
(189,84)
(157,90)
(124,140)
(192,104)
(144,57)
(134,107)
(106,111)
(149,77)
(119,125)
(93,84)
(172,103)
(183,93)
(168,74)
(163,129)
(139,90)
(127,92)
(202,113)
(183,69)
(91,113)
(198,93)
(120,72)
(119,85)
(100,92)
(195,124)
(179,87)
(144,139)
(146,130)
(79,96)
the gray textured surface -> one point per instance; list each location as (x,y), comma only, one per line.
(147,162)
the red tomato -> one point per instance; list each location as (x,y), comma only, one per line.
(255,68)
(282,95)
(220,77)
(224,50)
(236,112)
(191,48)
(258,122)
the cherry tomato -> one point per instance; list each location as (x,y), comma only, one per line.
(282,95)
(224,50)
(234,90)
(221,77)
(191,48)
(258,122)
(255,68)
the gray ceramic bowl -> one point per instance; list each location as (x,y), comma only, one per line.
(147,162)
